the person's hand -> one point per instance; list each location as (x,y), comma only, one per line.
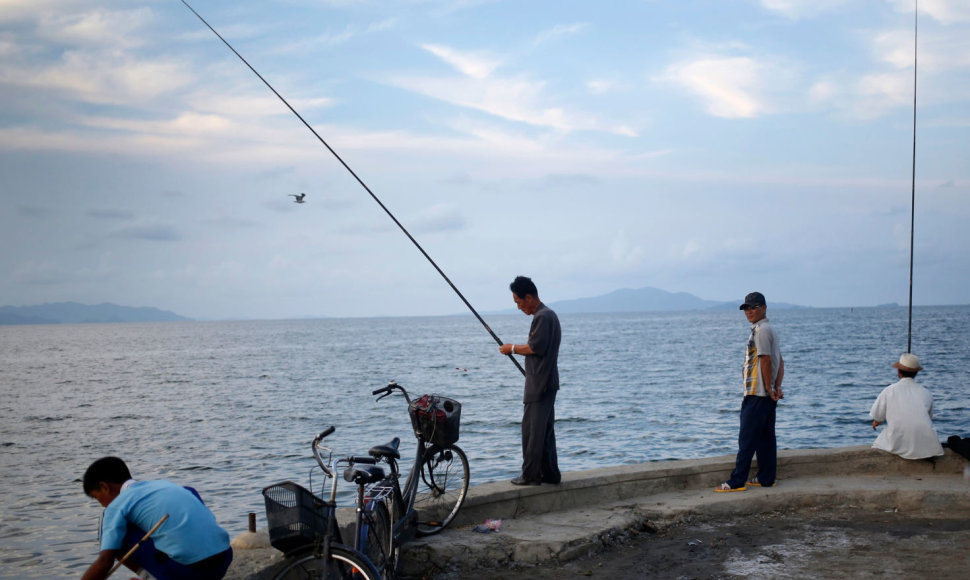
(874,425)
(505,349)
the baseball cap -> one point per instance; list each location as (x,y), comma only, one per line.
(752,300)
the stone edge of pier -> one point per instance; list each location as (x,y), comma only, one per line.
(589,509)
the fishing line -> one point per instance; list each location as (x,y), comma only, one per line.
(360,181)
(912,208)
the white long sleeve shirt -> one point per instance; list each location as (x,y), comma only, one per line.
(906,408)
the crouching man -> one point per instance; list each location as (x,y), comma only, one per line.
(189,545)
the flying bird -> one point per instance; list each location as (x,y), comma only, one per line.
(299,198)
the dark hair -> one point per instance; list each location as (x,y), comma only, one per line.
(907,374)
(522,286)
(107,469)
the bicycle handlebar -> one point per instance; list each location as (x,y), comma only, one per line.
(316,449)
(323,434)
(390,388)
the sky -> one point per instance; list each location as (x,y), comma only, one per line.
(706,146)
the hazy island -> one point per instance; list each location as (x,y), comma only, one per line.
(645,299)
(76,313)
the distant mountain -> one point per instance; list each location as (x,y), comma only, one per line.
(649,300)
(639,300)
(73,313)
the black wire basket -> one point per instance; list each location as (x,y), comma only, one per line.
(296,517)
(436,419)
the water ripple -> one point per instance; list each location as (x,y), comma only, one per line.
(229,407)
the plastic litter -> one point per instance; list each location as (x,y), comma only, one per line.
(488,527)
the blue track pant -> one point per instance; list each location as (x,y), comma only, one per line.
(756,437)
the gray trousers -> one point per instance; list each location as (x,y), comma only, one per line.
(539,459)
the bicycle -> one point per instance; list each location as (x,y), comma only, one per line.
(433,493)
(304,527)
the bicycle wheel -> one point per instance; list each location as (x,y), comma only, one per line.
(377,544)
(442,489)
(344,564)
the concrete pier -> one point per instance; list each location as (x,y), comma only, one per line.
(590,508)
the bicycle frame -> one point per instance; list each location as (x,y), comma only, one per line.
(388,493)
(327,550)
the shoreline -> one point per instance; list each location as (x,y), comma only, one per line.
(592,509)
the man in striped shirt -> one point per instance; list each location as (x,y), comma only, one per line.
(763,372)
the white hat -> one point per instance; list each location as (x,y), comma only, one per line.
(908,362)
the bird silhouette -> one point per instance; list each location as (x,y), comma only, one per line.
(299,198)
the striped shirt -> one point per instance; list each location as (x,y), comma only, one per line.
(761,342)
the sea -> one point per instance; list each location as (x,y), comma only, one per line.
(231,407)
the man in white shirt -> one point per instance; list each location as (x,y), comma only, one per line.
(907,409)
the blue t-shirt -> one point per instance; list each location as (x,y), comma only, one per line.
(190,533)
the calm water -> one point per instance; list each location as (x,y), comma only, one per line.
(230,407)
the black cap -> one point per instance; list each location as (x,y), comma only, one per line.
(752,300)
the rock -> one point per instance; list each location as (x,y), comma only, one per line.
(251,540)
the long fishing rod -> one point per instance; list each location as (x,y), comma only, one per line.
(912,208)
(360,181)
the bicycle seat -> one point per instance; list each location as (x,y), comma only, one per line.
(389,449)
(360,474)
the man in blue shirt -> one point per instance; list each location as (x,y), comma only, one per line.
(189,545)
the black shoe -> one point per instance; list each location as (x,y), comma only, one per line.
(523,481)
(552,481)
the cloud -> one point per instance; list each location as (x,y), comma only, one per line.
(559,30)
(798,9)
(943,11)
(877,94)
(111,214)
(19,10)
(599,86)
(185,124)
(939,52)
(101,77)
(475,65)
(560,180)
(231,223)
(515,98)
(729,87)
(332,39)
(518,99)
(96,28)
(886,82)
(54,272)
(823,91)
(35,212)
(149,231)
(252,103)
(442,217)
(40,273)
(625,254)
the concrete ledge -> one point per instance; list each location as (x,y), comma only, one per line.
(503,500)
(595,507)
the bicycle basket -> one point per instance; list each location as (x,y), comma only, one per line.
(436,419)
(296,517)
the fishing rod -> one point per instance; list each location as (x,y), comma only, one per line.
(360,181)
(912,208)
(136,546)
